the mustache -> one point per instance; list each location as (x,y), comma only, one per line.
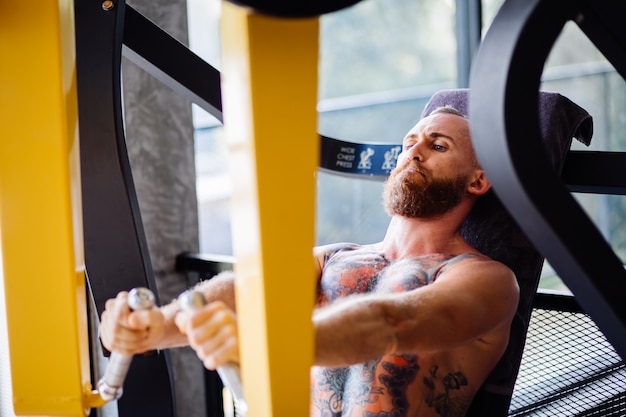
(412,163)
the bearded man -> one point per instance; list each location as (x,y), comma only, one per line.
(409,326)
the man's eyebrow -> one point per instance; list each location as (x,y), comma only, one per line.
(409,136)
(440,135)
(433,134)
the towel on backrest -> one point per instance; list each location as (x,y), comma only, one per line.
(492,231)
(560,119)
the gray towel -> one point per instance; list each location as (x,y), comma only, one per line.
(560,120)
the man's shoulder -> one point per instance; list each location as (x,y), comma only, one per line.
(476,258)
(473,264)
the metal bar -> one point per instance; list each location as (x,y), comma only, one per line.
(554,301)
(595,172)
(116,250)
(204,263)
(116,253)
(270,121)
(171,62)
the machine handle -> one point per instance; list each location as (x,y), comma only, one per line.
(110,386)
(229,373)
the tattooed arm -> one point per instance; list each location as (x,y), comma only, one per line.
(472,301)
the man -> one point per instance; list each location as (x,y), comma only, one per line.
(410,326)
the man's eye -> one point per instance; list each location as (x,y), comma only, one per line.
(439,148)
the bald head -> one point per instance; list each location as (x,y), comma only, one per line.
(464,129)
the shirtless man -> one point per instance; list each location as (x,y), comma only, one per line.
(410,326)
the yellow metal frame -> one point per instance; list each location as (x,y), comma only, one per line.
(269,87)
(270,96)
(40,210)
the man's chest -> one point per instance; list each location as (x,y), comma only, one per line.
(355,273)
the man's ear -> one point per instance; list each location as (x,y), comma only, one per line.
(480,184)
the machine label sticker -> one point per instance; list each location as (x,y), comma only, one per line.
(358,158)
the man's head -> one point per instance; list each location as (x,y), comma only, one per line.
(437,168)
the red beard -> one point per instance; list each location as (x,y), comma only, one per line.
(416,193)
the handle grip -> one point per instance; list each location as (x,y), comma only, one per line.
(110,386)
(229,373)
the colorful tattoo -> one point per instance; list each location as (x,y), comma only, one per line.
(397,379)
(379,388)
(376,388)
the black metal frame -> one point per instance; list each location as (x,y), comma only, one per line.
(504,116)
(116,252)
(302,8)
(171,62)
(595,172)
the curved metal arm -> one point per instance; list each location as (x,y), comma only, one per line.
(116,252)
(504,115)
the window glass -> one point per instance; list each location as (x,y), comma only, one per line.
(214,188)
(383,45)
(489,10)
(213,182)
(380,61)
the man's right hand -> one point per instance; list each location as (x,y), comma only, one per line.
(212,333)
(128,332)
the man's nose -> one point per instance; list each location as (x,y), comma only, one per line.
(417,151)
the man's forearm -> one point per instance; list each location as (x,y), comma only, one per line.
(352,331)
(218,288)
(171,337)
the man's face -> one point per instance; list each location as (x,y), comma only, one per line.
(433,170)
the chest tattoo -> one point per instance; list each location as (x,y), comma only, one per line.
(349,272)
(380,387)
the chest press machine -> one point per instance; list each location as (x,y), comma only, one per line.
(505,110)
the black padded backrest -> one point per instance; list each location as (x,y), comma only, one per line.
(491,230)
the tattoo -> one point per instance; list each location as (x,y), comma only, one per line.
(362,390)
(328,391)
(444,403)
(397,380)
(379,388)
(347,272)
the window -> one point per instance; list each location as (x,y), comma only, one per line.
(380,61)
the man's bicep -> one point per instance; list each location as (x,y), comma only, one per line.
(459,307)
(481,297)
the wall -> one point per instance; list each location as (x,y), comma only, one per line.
(159,134)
